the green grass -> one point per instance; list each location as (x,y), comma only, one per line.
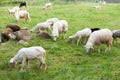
(65,61)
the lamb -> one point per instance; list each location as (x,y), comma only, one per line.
(13,27)
(22,14)
(22,4)
(42,26)
(103,36)
(85,33)
(115,34)
(47,6)
(52,20)
(13,10)
(58,28)
(30,53)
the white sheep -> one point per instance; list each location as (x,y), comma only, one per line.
(84,33)
(42,26)
(13,10)
(52,20)
(58,28)
(97,7)
(22,14)
(47,6)
(103,36)
(26,54)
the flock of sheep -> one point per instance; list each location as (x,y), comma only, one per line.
(55,26)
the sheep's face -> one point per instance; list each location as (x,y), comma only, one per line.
(54,38)
(12,36)
(12,62)
(70,38)
(88,47)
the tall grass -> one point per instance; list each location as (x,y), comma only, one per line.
(65,61)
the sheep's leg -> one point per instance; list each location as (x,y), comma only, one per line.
(65,34)
(42,63)
(107,47)
(23,63)
(99,49)
(28,66)
(86,41)
(78,41)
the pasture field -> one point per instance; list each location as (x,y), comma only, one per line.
(65,61)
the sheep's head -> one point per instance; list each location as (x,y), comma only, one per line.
(70,38)
(54,38)
(12,36)
(88,47)
(12,62)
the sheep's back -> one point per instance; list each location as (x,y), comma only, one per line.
(101,36)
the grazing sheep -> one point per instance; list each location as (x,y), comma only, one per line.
(47,6)
(26,54)
(94,29)
(103,36)
(97,7)
(85,33)
(13,27)
(44,35)
(58,28)
(21,35)
(22,4)
(22,14)
(13,10)
(52,20)
(104,2)
(42,26)
(115,34)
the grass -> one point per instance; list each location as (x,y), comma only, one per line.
(65,61)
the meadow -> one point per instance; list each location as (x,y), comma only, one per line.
(65,60)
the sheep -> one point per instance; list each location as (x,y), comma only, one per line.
(13,27)
(52,20)
(47,6)
(97,7)
(115,34)
(13,10)
(22,4)
(58,28)
(104,2)
(21,35)
(30,53)
(84,33)
(103,36)
(22,14)
(42,26)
